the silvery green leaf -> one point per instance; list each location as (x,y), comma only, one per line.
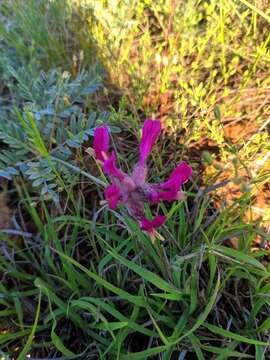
(44,190)
(115,129)
(73,143)
(23,167)
(6,175)
(91,88)
(34,176)
(38,182)
(11,170)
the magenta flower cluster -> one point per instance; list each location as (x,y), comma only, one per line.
(133,190)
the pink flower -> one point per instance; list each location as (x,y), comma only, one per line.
(101,142)
(151,130)
(170,189)
(112,195)
(134,191)
(178,177)
(151,225)
(101,147)
(110,167)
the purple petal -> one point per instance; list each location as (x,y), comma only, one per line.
(178,177)
(169,190)
(101,142)
(110,168)
(152,195)
(151,130)
(128,184)
(139,174)
(155,196)
(112,195)
(149,225)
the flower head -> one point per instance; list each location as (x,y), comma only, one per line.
(133,190)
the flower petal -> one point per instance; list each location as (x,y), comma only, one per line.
(178,177)
(139,174)
(101,142)
(112,195)
(151,130)
(155,196)
(110,168)
(149,225)
(171,189)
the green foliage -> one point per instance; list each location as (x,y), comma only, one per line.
(47,33)
(128,288)
(56,109)
(45,112)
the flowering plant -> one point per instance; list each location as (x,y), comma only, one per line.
(133,190)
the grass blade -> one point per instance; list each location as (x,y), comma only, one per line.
(28,344)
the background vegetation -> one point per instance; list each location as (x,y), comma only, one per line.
(81,281)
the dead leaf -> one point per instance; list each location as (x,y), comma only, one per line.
(5,212)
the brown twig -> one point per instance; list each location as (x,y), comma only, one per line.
(169,28)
